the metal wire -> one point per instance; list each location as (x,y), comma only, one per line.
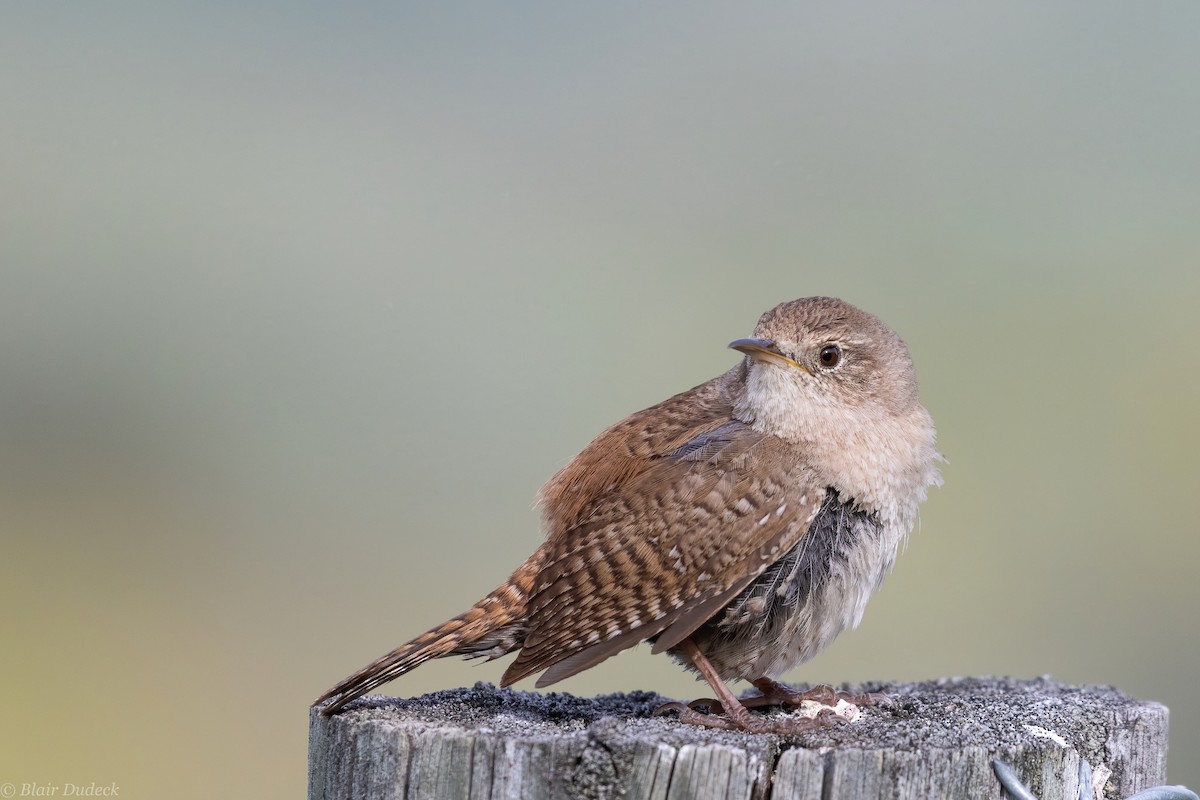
(1019,791)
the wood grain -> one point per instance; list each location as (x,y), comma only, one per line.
(936,740)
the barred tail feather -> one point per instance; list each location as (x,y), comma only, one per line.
(492,627)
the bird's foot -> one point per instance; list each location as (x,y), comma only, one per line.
(733,715)
(740,719)
(776,694)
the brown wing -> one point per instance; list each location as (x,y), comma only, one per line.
(628,447)
(665,541)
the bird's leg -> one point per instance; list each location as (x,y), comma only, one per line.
(736,716)
(776,694)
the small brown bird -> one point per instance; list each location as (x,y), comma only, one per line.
(739,526)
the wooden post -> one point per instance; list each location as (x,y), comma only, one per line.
(935,740)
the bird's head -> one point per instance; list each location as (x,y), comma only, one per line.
(823,373)
(825,352)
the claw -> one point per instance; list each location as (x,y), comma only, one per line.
(668,707)
(730,714)
(828,716)
(743,720)
(689,715)
(777,694)
(711,703)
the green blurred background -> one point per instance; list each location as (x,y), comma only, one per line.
(301,304)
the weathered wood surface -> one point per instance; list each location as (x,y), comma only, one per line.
(936,740)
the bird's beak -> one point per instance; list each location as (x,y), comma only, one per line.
(765,351)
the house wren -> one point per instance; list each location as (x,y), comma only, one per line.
(739,526)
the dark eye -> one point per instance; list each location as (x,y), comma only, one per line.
(830,355)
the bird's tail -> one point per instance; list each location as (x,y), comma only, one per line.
(492,627)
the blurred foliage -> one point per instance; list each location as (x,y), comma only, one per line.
(300,307)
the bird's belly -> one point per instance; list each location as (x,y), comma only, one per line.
(802,602)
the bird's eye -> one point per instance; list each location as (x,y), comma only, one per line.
(830,356)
